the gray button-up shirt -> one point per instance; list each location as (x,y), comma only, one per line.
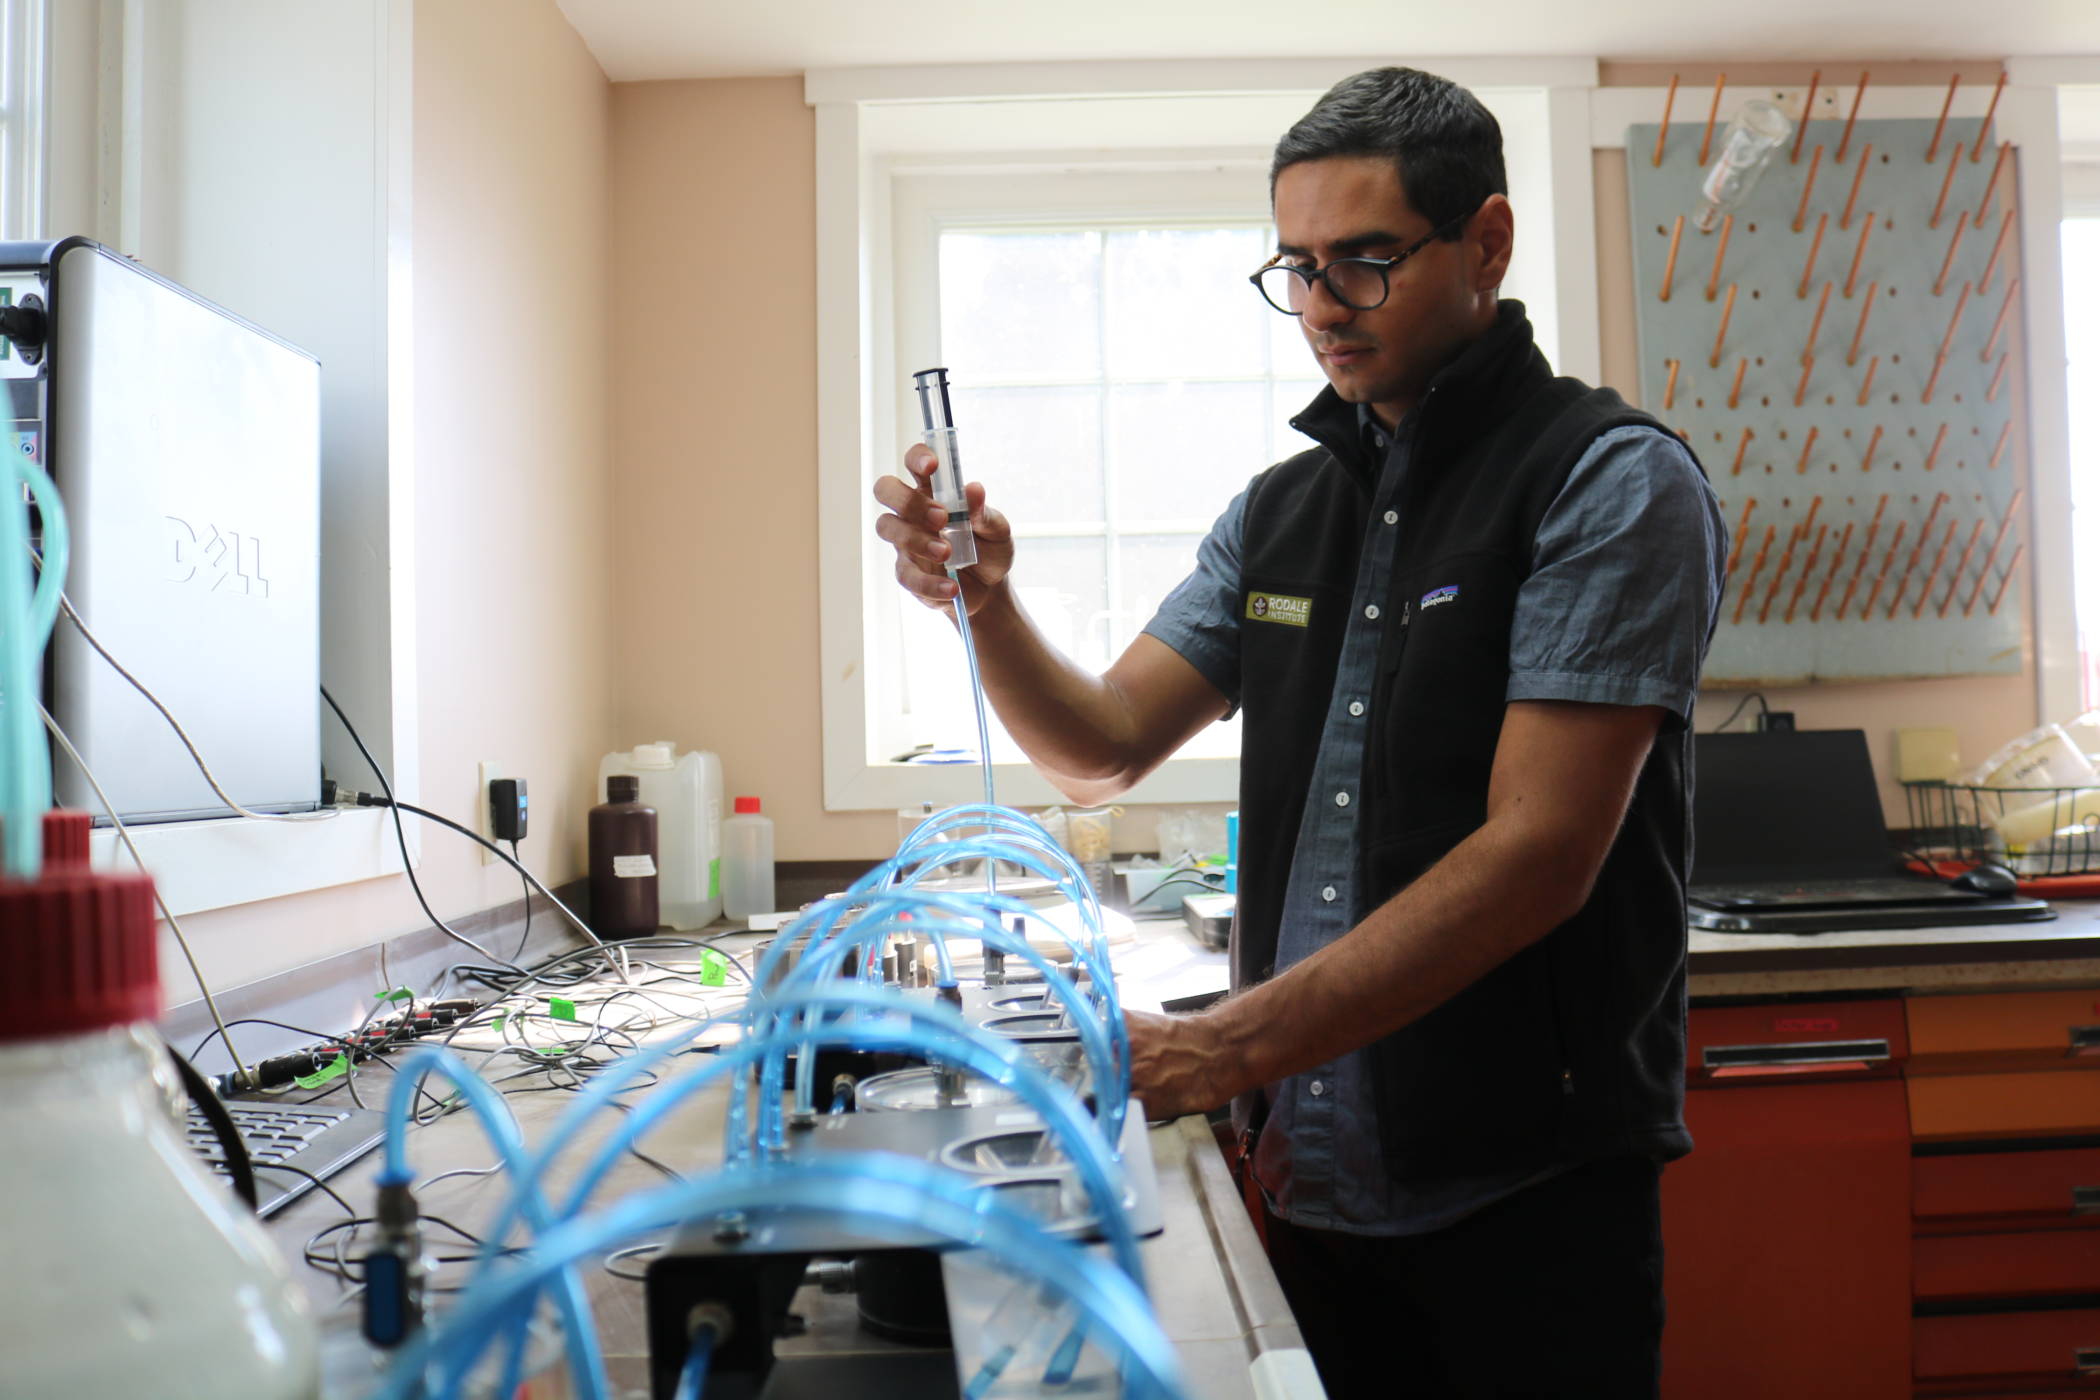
(1624,590)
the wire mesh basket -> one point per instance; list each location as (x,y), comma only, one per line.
(2035,831)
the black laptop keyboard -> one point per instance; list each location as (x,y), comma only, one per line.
(1809,894)
(322,1141)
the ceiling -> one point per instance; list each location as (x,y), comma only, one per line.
(642,39)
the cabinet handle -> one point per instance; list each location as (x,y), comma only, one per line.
(2085,1040)
(2085,1361)
(1794,1057)
(2085,1200)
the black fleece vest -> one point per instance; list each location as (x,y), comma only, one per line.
(1574,1048)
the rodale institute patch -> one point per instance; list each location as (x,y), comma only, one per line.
(1279,607)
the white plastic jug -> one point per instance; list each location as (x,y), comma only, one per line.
(686,791)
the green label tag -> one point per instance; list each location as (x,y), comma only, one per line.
(398,994)
(334,1069)
(1279,607)
(714,968)
(561,1008)
(501,1017)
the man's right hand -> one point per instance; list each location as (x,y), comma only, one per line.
(913,525)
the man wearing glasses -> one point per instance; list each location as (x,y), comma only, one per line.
(1466,633)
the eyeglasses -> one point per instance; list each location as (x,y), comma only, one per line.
(1361,284)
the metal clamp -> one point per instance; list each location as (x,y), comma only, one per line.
(2085,1200)
(2085,1040)
(1795,1055)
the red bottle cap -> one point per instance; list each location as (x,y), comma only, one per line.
(66,837)
(81,952)
(746,805)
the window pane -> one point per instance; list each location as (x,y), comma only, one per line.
(1292,396)
(1288,351)
(1181,451)
(1064,586)
(1152,565)
(1021,305)
(1179,305)
(2081,245)
(1037,451)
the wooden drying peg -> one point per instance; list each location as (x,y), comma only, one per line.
(1670,387)
(1713,279)
(1735,390)
(1939,205)
(1815,245)
(1866,387)
(1663,133)
(1866,231)
(1786,561)
(1983,133)
(1808,445)
(1961,226)
(1808,569)
(1990,187)
(1837,560)
(1859,175)
(1859,332)
(1866,463)
(2012,566)
(1932,578)
(1670,265)
(1866,552)
(1815,327)
(1932,518)
(1808,110)
(1750,584)
(1961,567)
(1990,395)
(1742,526)
(1934,455)
(1946,342)
(1932,152)
(1998,448)
(1990,268)
(1808,367)
(1990,557)
(1808,522)
(1713,361)
(1895,547)
(1808,186)
(1857,94)
(2012,289)
(1742,445)
(1706,141)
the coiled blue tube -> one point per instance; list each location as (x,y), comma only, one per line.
(27,614)
(882,1194)
(585,1363)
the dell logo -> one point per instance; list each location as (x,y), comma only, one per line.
(220,561)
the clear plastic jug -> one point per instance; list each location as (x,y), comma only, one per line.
(686,791)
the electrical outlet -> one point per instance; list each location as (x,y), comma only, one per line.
(491,769)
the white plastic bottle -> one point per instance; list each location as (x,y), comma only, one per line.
(129,1271)
(747,861)
(686,791)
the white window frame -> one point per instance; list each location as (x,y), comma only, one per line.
(875,125)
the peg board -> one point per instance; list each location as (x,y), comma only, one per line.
(1946,604)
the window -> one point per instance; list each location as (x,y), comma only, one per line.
(1079,264)
(22,124)
(2081,247)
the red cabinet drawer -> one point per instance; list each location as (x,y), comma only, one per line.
(1729,1044)
(2005,1030)
(2039,1346)
(2042,1103)
(2015,1264)
(2037,1186)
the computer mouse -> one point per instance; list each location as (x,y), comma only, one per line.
(1987,879)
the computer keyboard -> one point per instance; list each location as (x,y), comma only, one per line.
(322,1141)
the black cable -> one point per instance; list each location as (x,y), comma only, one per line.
(319,1184)
(1742,705)
(232,1145)
(525,937)
(401,835)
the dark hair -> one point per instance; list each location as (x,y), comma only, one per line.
(1445,145)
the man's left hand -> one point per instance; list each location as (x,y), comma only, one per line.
(1180,1064)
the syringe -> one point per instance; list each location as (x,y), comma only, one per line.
(947,482)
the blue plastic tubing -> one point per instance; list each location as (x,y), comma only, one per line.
(882,1194)
(27,614)
(585,1363)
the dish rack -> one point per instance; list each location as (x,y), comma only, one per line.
(2037,832)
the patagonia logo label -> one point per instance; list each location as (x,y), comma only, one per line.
(1279,607)
(1446,594)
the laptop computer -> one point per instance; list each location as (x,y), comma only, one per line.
(1788,838)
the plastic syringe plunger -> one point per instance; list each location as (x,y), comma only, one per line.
(947,484)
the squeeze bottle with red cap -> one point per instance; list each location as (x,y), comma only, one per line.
(747,861)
